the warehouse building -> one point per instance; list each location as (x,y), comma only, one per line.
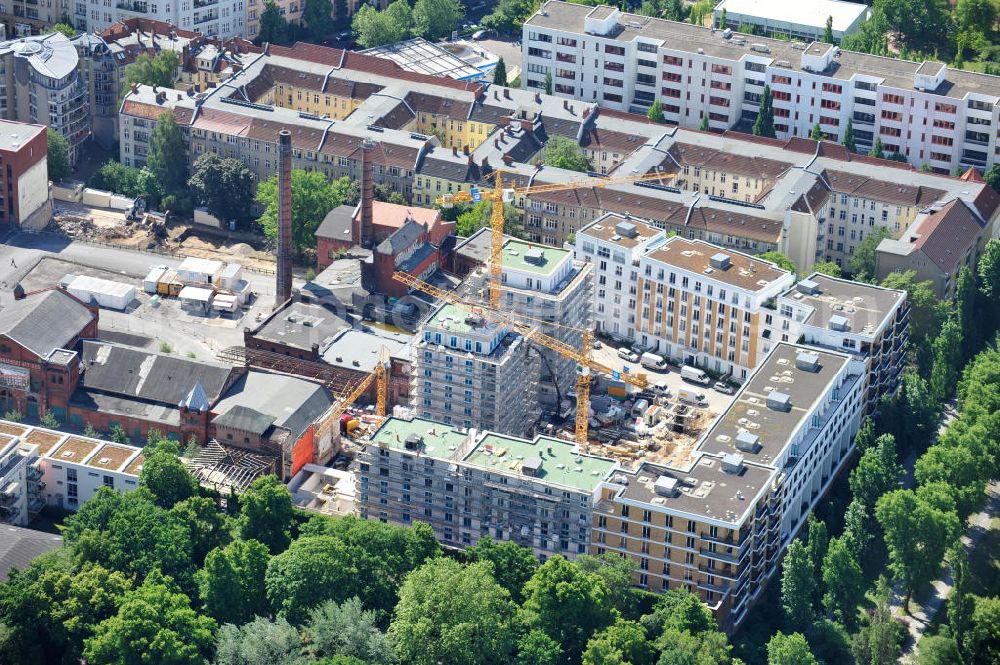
(804,21)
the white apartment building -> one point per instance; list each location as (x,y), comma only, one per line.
(39,466)
(930,114)
(689,300)
(470,373)
(212,18)
(866,321)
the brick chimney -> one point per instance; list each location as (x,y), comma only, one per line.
(508,159)
(283,287)
(366,230)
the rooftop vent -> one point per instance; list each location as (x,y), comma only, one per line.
(720,261)
(748,442)
(779,401)
(532,466)
(626,229)
(808,287)
(840,323)
(732,463)
(665,486)
(534,256)
(808,362)
(413,442)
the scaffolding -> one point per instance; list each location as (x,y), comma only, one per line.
(224,467)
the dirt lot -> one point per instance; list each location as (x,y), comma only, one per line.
(151,233)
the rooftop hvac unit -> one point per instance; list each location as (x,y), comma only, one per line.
(720,261)
(666,486)
(839,323)
(748,442)
(808,287)
(626,229)
(413,442)
(732,463)
(779,401)
(808,362)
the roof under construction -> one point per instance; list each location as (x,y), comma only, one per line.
(225,467)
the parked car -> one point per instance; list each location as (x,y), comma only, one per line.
(724,388)
(628,354)
(479,34)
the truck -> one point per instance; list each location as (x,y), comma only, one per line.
(652,361)
(692,397)
(694,375)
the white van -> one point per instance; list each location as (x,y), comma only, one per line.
(652,361)
(694,375)
(692,397)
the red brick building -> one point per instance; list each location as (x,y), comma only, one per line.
(24,175)
(39,363)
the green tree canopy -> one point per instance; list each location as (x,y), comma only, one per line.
(346,629)
(763,125)
(849,137)
(449,613)
(622,642)
(880,639)
(66,29)
(273,26)
(537,648)
(779,260)
(128,181)
(313,569)
(878,471)
(861,265)
(266,513)
(566,604)
(937,650)
(655,112)
(374,28)
(789,650)
(312,198)
(500,72)
(259,642)
(207,527)
(224,186)
(983,638)
(318,15)
(231,583)
(565,153)
(843,581)
(817,133)
(167,479)
(798,585)
(159,70)
(508,16)
(827,268)
(154,624)
(167,157)
(513,565)
(434,19)
(58,156)
(828,30)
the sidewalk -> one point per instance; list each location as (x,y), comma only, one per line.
(923,612)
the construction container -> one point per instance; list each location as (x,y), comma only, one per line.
(194,270)
(224,302)
(108,294)
(149,283)
(169,285)
(617,389)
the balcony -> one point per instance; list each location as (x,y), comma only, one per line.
(719,555)
(205,18)
(703,584)
(135,6)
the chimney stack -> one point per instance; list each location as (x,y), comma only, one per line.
(283,289)
(366,236)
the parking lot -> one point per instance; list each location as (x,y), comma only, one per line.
(608,355)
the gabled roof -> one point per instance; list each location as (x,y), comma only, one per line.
(154,377)
(244,419)
(401,238)
(946,235)
(18,547)
(45,321)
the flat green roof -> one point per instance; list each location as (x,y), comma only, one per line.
(453,317)
(440,440)
(551,257)
(561,465)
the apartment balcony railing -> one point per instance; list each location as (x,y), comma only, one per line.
(139,7)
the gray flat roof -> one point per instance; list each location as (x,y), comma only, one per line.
(301,325)
(864,306)
(750,413)
(359,350)
(812,13)
(705,489)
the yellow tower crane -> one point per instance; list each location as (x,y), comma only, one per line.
(587,365)
(380,376)
(502,194)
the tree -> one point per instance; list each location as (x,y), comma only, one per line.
(207,527)
(266,513)
(66,29)
(861,266)
(167,157)
(312,198)
(273,26)
(154,624)
(789,650)
(798,586)
(843,581)
(513,565)
(966,303)
(878,150)
(374,28)
(537,648)
(566,604)
(312,570)
(779,260)
(983,639)
(565,153)
(918,25)
(763,125)
(975,17)
(622,642)
(878,472)
(167,479)
(617,571)
(449,613)
(680,647)
(828,30)
(817,542)
(118,435)
(989,270)
(865,438)
(548,83)
(159,70)
(917,533)
(224,186)
(655,112)
(703,125)
(880,640)
(927,311)
(231,583)
(992,177)
(259,642)
(434,19)
(856,534)
(58,156)
(961,603)
(500,73)
(478,216)
(508,16)
(346,629)
(849,137)
(318,15)
(937,650)
(827,268)
(127,180)
(948,360)
(817,133)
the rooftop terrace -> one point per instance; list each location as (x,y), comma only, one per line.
(529,257)
(439,440)
(861,307)
(560,462)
